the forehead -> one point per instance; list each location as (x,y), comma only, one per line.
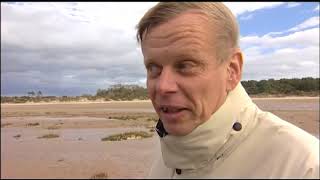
(190,18)
(189,31)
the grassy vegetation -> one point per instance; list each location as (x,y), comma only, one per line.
(133,117)
(49,136)
(17,136)
(33,124)
(119,117)
(5,124)
(53,127)
(151,127)
(153,119)
(127,135)
(102,175)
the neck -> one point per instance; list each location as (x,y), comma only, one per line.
(194,150)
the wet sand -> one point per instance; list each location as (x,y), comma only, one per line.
(78,152)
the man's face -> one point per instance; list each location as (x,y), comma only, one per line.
(185,82)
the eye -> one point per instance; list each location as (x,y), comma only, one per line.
(153,70)
(186,67)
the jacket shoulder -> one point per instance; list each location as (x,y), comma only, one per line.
(286,130)
(297,147)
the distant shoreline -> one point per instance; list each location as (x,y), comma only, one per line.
(75,102)
(141,101)
(288,97)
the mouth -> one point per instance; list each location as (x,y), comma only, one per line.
(172,113)
(171,109)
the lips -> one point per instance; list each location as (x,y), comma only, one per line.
(171,109)
(172,113)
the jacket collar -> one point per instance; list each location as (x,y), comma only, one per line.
(196,149)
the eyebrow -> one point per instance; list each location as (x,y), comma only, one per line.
(187,56)
(147,61)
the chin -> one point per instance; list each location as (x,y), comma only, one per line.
(177,130)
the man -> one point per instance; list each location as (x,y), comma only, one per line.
(208,126)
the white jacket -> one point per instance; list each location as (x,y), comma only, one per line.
(265,147)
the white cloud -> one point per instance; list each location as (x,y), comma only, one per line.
(311,22)
(309,37)
(246,17)
(284,56)
(293,4)
(303,62)
(317,8)
(284,67)
(70,47)
(308,63)
(242,7)
(99,25)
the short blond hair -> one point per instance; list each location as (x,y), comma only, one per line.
(226,28)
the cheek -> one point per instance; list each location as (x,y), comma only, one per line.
(150,89)
(211,94)
(196,93)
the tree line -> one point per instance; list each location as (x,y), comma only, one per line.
(123,92)
(305,86)
(283,87)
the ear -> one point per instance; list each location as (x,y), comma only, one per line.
(234,70)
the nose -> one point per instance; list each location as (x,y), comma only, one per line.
(166,83)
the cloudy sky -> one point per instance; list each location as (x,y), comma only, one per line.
(70,48)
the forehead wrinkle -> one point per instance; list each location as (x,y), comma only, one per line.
(194,21)
(178,29)
(190,34)
(176,36)
(190,44)
(187,51)
(185,42)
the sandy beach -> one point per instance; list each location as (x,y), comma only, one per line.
(78,151)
